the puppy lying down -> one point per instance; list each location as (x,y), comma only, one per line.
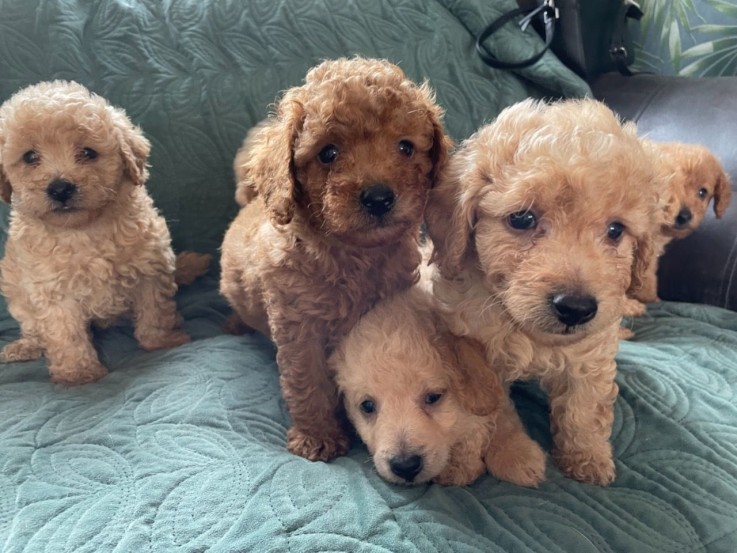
(425,402)
(85,243)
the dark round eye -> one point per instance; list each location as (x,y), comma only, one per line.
(615,231)
(367,407)
(432,398)
(703,192)
(88,154)
(31,157)
(328,154)
(522,220)
(406,147)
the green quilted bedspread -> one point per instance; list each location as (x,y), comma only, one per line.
(184,450)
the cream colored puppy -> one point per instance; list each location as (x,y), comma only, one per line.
(85,243)
(542,222)
(426,403)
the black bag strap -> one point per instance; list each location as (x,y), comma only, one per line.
(617,47)
(549,14)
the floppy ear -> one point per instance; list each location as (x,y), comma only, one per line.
(441,146)
(642,266)
(450,216)
(441,142)
(134,147)
(722,195)
(269,169)
(475,384)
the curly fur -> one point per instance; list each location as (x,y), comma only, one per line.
(399,356)
(578,170)
(690,177)
(303,260)
(103,254)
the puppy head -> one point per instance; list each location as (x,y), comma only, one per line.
(410,388)
(354,150)
(65,153)
(694,177)
(554,204)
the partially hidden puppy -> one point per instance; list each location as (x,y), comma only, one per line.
(334,187)
(85,243)
(691,177)
(425,402)
(542,221)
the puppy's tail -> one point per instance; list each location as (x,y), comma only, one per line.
(190,266)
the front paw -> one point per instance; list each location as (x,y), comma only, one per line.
(317,446)
(519,460)
(461,474)
(76,376)
(633,308)
(594,466)
(22,349)
(162,339)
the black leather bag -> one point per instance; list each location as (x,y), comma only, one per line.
(589,36)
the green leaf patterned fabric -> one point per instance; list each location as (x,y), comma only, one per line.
(196,75)
(184,450)
(691,38)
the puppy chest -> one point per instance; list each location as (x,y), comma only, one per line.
(102,283)
(333,303)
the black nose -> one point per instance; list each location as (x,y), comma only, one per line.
(683,217)
(61,190)
(406,466)
(572,309)
(377,199)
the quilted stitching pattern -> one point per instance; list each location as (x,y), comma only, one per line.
(184,451)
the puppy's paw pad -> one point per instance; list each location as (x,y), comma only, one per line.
(84,374)
(587,467)
(317,447)
(520,461)
(21,350)
(164,340)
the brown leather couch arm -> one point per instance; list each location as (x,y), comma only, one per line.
(703,267)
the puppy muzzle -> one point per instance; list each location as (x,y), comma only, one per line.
(406,466)
(377,200)
(683,218)
(61,192)
(574,309)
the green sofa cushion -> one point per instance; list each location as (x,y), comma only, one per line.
(184,450)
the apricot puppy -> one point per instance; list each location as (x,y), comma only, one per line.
(691,177)
(425,402)
(542,221)
(85,243)
(334,187)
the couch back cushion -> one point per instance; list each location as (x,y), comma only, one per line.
(196,75)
